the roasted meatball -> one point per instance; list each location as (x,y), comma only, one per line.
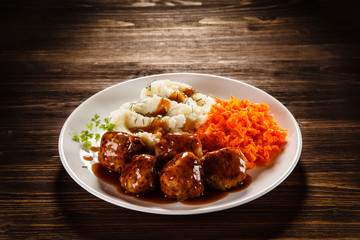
(224,168)
(174,143)
(117,148)
(139,175)
(181,177)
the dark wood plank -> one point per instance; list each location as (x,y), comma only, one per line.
(56,54)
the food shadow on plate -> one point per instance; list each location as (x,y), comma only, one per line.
(89,217)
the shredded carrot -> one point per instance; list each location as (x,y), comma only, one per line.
(243,125)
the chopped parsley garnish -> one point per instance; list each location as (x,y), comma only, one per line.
(92,131)
(107,126)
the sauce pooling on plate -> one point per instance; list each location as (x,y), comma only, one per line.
(210,195)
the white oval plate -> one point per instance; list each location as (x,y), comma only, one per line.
(264,178)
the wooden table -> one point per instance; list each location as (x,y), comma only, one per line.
(56,54)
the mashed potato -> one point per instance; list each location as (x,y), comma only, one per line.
(164,106)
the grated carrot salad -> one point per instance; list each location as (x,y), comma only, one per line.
(243,125)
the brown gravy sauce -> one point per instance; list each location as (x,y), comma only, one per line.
(162,108)
(88,158)
(177,96)
(180,97)
(156,126)
(189,92)
(209,196)
(95,149)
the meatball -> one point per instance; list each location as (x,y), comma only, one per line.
(224,168)
(181,177)
(117,148)
(174,143)
(139,175)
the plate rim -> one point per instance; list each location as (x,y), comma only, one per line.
(188,211)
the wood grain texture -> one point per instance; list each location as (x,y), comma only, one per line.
(56,54)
